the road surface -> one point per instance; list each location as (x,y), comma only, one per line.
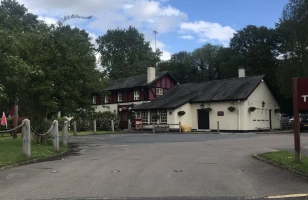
(173,166)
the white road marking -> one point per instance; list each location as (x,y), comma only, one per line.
(287,196)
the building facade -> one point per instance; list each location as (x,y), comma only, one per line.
(124,94)
(239,104)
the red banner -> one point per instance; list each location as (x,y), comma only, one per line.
(302,94)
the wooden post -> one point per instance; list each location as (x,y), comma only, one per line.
(26,139)
(75,128)
(112,125)
(94,126)
(15,118)
(55,134)
(180,127)
(65,133)
(218,131)
(296,124)
(129,125)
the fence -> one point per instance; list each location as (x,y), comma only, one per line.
(26,135)
(74,127)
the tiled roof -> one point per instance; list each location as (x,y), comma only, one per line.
(133,81)
(209,91)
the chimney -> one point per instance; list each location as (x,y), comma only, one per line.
(151,74)
(241,72)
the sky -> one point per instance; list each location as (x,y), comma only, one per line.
(182,25)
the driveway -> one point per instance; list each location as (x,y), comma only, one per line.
(158,165)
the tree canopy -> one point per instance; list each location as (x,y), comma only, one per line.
(124,52)
(44,68)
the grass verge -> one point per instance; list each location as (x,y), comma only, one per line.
(286,159)
(11,151)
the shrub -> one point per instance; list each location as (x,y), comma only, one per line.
(103,120)
(252,109)
(84,120)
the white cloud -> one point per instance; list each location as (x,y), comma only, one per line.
(187,37)
(48,20)
(166,54)
(207,31)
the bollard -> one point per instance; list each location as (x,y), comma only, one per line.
(75,128)
(153,127)
(65,133)
(218,132)
(112,125)
(26,139)
(55,134)
(180,127)
(94,126)
(129,125)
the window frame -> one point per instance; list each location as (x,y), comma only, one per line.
(94,99)
(120,94)
(106,98)
(159,91)
(152,112)
(136,95)
(145,114)
(163,114)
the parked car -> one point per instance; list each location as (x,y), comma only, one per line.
(303,117)
(284,118)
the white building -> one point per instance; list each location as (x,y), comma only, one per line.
(239,104)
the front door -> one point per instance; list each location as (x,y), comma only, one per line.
(203,119)
(123,116)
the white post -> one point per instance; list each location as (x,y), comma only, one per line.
(75,128)
(26,139)
(180,127)
(129,125)
(94,126)
(55,134)
(65,133)
(218,132)
(112,125)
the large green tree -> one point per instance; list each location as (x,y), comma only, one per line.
(180,66)
(293,28)
(124,52)
(46,68)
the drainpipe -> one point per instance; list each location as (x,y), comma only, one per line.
(239,115)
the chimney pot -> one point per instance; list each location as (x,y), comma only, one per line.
(150,74)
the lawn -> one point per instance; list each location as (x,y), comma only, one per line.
(11,151)
(287,159)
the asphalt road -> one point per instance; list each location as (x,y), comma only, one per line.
(168,166)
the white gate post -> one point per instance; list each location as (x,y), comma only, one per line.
(26,139)
(75,128)
(65,133)
(94,126)
(112,125)
(55,134)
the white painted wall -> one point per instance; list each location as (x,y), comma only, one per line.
(259,119)
(227,122)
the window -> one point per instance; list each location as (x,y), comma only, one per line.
(163,116)
(159,91)
(144,116)
(119,97)
(106,98)
(94,100)
(136,95)
(138,115)
(153,113)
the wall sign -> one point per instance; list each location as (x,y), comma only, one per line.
(302,94)
(220,113)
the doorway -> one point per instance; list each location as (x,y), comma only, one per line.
(203,119)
